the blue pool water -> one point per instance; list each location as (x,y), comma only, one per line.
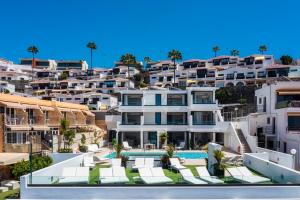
(157,155)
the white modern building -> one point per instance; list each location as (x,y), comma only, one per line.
(39,63)
(72,64)
(191,116)
(6,87)
(276,124)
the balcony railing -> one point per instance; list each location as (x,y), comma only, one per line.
(203,101)
(286,104)
(204,123)
(132,103)
(15,121)
(293,128)
(168,123)
(131,123)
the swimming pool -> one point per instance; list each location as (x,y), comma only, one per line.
(157,155)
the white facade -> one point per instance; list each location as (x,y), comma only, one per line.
(5,86)
(191,116)
(277,124)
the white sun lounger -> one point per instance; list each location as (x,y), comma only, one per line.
(188,177)
(247,173)
(126,146)
(116,162)
(153,175)
(149,162)
(181,146)
(204,175)
(138,163)
(113,175)
(93,148)
(237,175)
(88,161)
(175,164)
(72,175)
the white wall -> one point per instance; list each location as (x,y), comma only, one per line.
(149,118)
(279,173)
(278,157)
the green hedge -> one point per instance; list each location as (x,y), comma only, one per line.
(23,167)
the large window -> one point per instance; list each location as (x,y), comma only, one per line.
(132,99)
(203,118)
(16,138)
(176,99)
(203,97)
(176,118)
(294,123)
(131,118)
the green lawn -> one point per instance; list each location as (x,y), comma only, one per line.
(94,174)
(9,193)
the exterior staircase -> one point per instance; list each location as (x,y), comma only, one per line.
(245,147)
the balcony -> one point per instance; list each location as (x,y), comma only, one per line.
(19,120)
(200,122)
(287,104)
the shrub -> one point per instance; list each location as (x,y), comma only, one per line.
(170,150)
(165,161)
(23,167)
(65,150)
(83,148)
(83,139)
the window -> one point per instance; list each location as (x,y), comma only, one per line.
(259,100)
(16,138)
(268,120)
(203,97)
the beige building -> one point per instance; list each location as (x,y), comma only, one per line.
(24,120)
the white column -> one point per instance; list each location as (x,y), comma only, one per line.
(190,140)
(142,140)
(117,137)
(214,137)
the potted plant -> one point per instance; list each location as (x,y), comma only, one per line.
(118,148)
(165,159)
(163,138)
(218,166)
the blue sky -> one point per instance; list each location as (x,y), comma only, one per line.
(61,28)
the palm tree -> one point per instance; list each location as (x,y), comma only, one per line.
(262,48)
(216,49)
(128,59)
(235,52)
(147,59)
(33,50)
(174,55)
(92,46)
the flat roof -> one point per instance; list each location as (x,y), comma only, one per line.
(12,158)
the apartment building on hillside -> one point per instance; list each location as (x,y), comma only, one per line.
(25,120)
(191,116)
